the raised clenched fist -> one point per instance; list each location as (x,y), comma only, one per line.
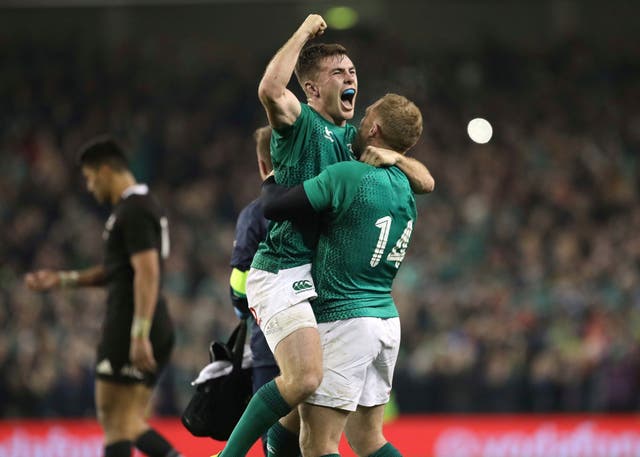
(314,25)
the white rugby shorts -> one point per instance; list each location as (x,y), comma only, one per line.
(280,301)
(359,356)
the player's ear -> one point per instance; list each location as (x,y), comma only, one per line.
(311,89)
(375,130)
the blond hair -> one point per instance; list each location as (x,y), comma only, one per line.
(400,122)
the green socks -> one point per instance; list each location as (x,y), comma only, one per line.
(264,409)
(282,442)
(387,451)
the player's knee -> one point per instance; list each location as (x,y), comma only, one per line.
(119,422)
(107,414)
(113,424)
(301,384)
(309,381)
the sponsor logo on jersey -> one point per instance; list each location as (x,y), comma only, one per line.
(104,367)
(328,134)
(300,286)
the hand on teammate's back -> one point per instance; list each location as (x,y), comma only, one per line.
(379,157)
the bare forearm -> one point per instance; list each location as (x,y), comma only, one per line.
(93,276)
(419,176)
(145,296)
(281,105)
(145,292)
(43,280)
(146,283)
(279,71)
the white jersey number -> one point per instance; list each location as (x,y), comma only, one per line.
(399,250)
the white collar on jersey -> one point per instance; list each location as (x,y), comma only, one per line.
(137,189)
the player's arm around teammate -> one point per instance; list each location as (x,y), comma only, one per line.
(418,174)
(360,336)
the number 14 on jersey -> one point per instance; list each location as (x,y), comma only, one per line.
(399,250)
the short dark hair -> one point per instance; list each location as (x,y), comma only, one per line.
(311,55)
(400,121)
(103,150)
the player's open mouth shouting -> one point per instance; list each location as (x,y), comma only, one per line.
(346,99)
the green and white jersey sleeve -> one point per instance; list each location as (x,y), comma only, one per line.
(299,152)
(370,214)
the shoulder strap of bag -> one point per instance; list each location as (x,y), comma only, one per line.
(236,343)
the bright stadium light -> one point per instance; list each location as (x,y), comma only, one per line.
(479,130)
(341,17)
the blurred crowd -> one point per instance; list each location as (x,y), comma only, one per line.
(521,288)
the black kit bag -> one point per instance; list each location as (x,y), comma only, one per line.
(216,406)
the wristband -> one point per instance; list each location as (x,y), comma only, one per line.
(140,327)
(68,278)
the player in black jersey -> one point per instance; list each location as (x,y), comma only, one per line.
(251,229)
(137,334)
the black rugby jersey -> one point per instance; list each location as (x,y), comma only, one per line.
(137,224)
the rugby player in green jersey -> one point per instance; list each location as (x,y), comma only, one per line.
(306,138)
(368,216)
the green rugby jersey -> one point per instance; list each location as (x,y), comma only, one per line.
(370,213)
(299,152)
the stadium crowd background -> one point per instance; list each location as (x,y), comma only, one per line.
(521,291)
